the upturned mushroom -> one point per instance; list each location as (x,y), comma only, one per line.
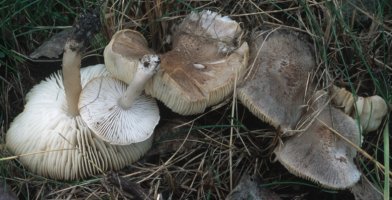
(318,153)
(369,111)
(117,113)
(203,65)
(49,136)
(275,88)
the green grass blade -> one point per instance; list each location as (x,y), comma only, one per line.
(386,161)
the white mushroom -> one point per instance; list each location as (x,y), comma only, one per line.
(50,137)
(369,111)
(119,114)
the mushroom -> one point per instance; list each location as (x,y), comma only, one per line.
(119,114)
(49,136)
(275,89)
(369,111)
(317,153)
(203,65)
(123,52)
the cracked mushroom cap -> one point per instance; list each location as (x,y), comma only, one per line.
(101,106)
(318,154)
(58,145)
(275,88)
(201,68)
(123,52)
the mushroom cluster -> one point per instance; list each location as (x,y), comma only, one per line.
(51,138)
(278,91)
(87,121)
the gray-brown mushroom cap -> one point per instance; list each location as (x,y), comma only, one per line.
(203,65)
(320,155)
(275,89)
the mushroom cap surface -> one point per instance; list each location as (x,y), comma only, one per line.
(320,155)
(280,63)
(123,52)
(100,110)
(58,145)
(201,69)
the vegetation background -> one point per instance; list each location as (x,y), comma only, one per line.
(353,42)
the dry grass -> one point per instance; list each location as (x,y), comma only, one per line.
(203,157)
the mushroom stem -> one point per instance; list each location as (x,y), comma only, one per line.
(134,90)
(147,67)
(71,76)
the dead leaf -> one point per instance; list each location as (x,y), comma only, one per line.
(53,47)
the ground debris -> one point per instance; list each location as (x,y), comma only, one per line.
(249,187)
(127,186)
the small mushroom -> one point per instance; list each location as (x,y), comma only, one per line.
(201,69)
(275,89)
(123,52)
(49,136)
(317,153)
(370,111)
(119,114)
